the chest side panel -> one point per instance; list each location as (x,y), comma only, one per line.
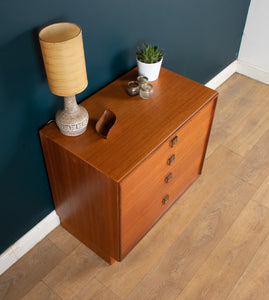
(85,200)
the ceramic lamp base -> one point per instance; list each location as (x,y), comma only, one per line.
(72,119)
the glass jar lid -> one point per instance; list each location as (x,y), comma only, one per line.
(147,87)
(142,79)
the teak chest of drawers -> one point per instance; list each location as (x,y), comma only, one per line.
(110,192)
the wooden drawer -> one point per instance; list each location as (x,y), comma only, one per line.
(190,149)
(143,191)
(112,190)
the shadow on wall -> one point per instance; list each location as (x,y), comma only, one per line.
(25,98)
(26,105)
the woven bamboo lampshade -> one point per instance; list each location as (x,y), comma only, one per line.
(63,55)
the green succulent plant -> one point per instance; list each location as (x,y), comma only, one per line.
(149,54)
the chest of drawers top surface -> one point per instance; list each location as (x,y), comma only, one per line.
(141,125)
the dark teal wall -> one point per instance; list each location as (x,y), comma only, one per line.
(200,38)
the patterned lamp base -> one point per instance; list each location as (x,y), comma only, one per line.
(72,119)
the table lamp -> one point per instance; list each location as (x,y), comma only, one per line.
(63,55)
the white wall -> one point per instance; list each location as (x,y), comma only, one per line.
(254,50)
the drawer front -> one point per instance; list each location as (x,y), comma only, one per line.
(153,186)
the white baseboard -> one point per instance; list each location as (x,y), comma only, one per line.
(243,68)
(37,233)
(223,76)
(253,72)
(29,240)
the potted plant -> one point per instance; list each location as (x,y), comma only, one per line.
(149,60)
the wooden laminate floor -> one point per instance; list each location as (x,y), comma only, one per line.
(212,244)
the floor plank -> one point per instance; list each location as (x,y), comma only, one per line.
(41,292)
(251,129)
(262,194)
(254,283)
(73,272)
(255,166)
(216,278)
(122,277)
(63,240)
(29,270)
(240,124)
(182,260)
(212,244)
(94,290)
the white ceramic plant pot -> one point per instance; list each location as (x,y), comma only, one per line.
(151,71)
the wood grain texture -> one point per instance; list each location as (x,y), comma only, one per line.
(63,240)
(143,191)
(216,277)
(254,168)
(141,126)
(29,270)
(94,290)
(85,199)
(41,292)
(74,272)
(213,239)
(184,258)
(110,205)
(254,283)
(240,120)
(262,194)
(122,277)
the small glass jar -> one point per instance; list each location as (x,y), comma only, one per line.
(142,79)
(146,91)
(133,88)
